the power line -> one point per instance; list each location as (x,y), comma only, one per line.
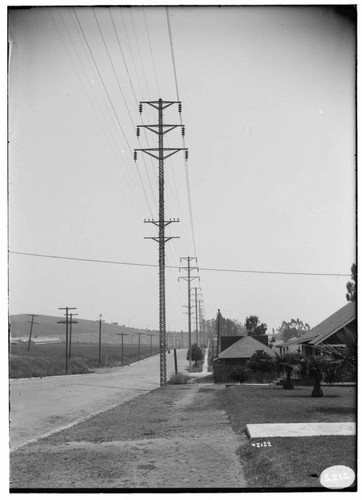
(178,98)
(102,80)
(116,150)
(149,41)
(285,273)
(124,99)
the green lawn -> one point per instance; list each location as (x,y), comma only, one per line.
(291,462)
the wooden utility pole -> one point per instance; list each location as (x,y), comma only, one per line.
(175,357)
(71,322)
(151,335)
(197,317)
(139,344)
(100,341)
(123,334)
(31,327)
(218,332)
(67,309)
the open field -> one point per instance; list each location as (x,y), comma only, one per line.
(291,462)
(49,359)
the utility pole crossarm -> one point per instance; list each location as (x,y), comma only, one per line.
(161,156)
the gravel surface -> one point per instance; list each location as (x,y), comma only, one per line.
(175,437)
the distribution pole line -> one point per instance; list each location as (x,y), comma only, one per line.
(66,309)
(161,154)
(71,322)
(151,335)
(197,317)
(189,278)
(218,317)
(201,323)
(31,327)
(100,340)
(123,334)
(139,344)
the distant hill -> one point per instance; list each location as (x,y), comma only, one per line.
(83,331)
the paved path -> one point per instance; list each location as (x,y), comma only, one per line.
(255,431)
(39,407)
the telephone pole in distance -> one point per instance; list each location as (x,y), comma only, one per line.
(32,322)
(66,309)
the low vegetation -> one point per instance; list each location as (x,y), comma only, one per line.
(291,462)
(179,378)
(46,360)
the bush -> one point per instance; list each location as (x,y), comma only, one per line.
(238,375)
(196,354)
(178,378)
(260,361)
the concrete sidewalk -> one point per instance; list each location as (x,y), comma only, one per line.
(255,431)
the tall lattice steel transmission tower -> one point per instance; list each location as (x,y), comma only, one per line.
(161,154)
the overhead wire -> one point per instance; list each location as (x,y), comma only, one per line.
(218,269)
(134,96)
(129,177)
(178,98)
(104,85)
(125,102)
(110,136)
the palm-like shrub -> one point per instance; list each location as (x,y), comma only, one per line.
(342,359)
(316,367)
(288,364)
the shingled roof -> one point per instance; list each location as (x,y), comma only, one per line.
(245,348)
(329,326)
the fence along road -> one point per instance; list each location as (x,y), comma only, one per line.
(39,407)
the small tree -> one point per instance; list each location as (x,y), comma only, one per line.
(287,364)
(293,328)
(260,362)
(196,354)
(254,327)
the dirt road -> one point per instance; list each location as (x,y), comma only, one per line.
(176,437)
(39,407)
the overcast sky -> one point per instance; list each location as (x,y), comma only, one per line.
(268,98)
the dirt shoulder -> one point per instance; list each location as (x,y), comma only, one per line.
(175,437)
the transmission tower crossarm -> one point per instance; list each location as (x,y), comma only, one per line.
(159,129)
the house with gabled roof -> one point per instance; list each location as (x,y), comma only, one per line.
(241,351)
(237,355)
(332,330)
